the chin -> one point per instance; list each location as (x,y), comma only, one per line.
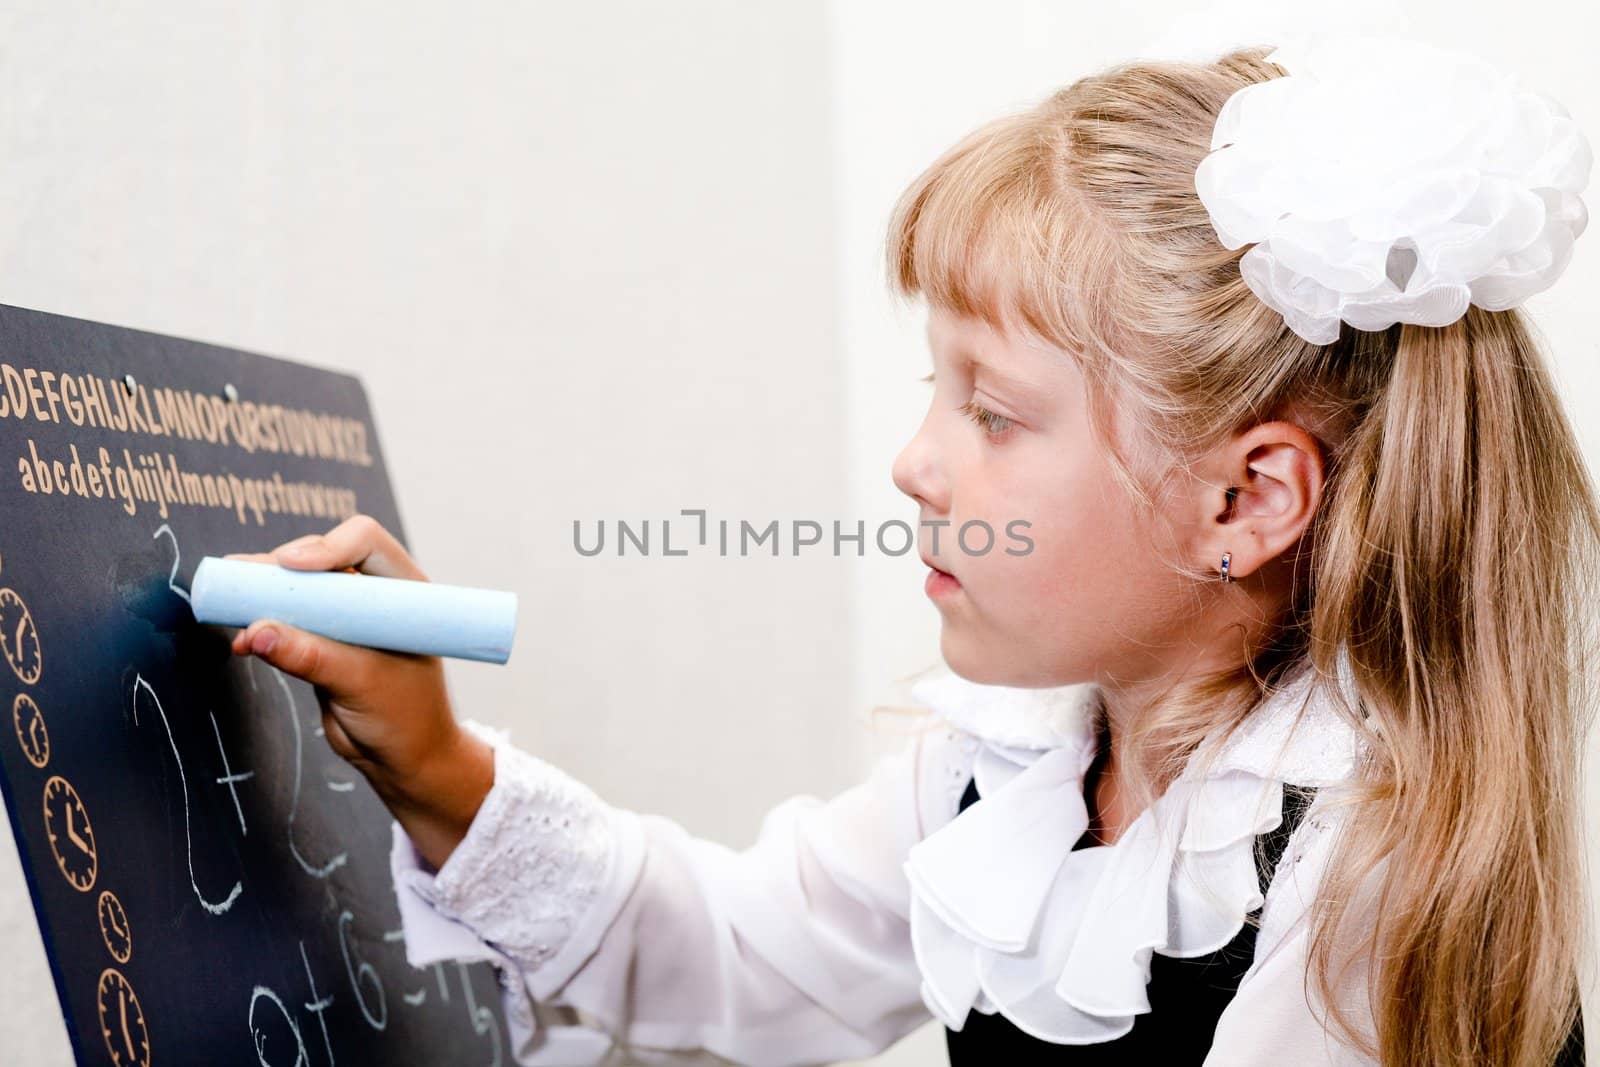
(990,669)
(970,663)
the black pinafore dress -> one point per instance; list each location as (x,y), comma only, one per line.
(1187,995)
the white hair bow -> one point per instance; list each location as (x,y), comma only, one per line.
(1388,181)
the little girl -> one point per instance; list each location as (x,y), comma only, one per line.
(1267,752)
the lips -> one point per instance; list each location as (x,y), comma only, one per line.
(940,584)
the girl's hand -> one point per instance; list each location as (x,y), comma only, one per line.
(387,713)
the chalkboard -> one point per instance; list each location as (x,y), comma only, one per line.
(211,880)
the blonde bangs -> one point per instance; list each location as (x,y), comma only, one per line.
(992,229)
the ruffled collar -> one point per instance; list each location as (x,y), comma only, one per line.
(1006,916)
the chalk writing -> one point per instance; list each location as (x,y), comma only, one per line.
(214,907)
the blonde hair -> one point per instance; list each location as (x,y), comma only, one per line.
(1453,552)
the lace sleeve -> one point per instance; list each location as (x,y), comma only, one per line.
(541,852)
(621,938)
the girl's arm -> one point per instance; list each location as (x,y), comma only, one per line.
(623,938)
(619,934)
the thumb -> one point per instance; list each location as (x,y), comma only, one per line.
(345,671)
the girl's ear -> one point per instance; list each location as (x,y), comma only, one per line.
(1272,484)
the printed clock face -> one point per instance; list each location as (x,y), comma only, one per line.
(31,732)
(19,641)
(71,838)
(122,1021)
(114,927)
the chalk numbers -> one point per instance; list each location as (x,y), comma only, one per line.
(71,838)
(19,641)
(31,732)
(122,1021)
(72,843)
(114,927)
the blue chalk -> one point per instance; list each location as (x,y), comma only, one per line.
(394,614)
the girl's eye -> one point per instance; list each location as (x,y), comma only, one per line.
(993,425)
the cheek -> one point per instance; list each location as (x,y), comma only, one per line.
(1068,568)
(1091,572)
(1061,503)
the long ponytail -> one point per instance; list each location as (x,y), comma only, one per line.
(1457,560)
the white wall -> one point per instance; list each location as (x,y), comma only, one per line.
(582,256)
(632,253)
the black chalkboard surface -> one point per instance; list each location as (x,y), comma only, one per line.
(211,881)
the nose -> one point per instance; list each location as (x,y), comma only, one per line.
(917,473)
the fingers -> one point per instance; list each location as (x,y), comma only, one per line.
(345,671)
(360,543)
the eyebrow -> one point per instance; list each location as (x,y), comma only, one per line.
(1010,380)
(967,352)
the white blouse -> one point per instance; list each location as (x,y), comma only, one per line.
(620,938)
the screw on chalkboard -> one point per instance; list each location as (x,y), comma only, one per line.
(128,383)
(231,393)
